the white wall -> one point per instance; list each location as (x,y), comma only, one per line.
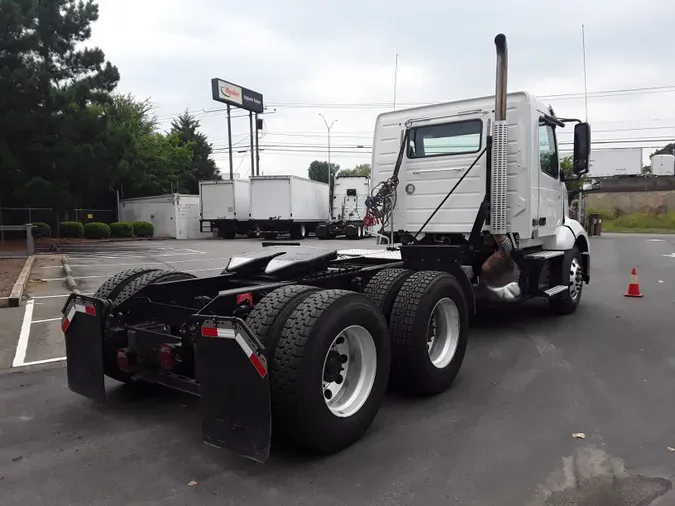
(157,210)
(173,215)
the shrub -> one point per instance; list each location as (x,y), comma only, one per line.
(143,229)
(96,230)
(121,229)
(71,229)
(41,229)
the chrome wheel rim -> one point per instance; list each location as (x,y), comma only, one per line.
(576,279)
(443,333)
(349,370)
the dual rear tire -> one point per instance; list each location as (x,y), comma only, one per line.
(428,318)
(332,353)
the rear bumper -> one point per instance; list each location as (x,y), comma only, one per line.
(231,372)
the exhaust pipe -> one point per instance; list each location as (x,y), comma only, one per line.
(500,262)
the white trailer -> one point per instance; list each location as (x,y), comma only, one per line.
(663,165)
(225,206)
(288,204)
(615,162)
(349,208)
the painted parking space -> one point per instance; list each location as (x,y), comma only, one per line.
(40,339)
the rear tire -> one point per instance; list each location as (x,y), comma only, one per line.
(572,275)
(146,279)
(114,285)
(429,325)
(299,231)
(270,315)
(384,286)
(308,350)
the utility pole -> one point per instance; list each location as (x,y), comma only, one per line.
(330,167)
(583,46)
(395,79)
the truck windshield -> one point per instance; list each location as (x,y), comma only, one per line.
(458,137)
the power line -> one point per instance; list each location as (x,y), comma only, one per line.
(208,113)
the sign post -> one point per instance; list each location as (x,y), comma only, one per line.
(242,98)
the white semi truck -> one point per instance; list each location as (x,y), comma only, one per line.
(484,174)
(306,339)
(348,209)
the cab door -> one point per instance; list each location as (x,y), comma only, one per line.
(550,214)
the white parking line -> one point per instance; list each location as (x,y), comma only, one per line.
(46,361)
(149,255)
(171,262)
(22,345)
(45,320)
(113,273)
(58,296)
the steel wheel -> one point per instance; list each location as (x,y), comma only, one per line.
(576,279)
(443,333)
(349,371)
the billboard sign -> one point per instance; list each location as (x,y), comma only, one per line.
(236,95)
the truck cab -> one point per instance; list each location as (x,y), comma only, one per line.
(444,140)
(484,175)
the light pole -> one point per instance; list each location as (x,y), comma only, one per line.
(330,168)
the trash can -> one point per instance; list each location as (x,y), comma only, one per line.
(594,224)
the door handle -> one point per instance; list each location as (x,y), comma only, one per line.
(418,172)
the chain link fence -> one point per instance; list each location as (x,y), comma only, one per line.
(23,215)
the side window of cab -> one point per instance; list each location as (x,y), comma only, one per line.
(548,151)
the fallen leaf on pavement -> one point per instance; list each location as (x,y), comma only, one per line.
(192,483)
(579,435)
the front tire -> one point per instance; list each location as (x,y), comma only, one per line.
(429,327)
(572,275)
(330,371)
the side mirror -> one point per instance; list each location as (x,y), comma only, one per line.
(582,148)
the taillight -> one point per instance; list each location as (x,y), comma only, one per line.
(123,362)
(166,361)
(245,297)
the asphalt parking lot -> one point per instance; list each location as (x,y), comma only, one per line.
(501,436)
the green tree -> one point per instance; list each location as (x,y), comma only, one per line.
(567,166)
(318,171)
(360,170)
(141,160)
(202,167)
(668,149)
(52,89)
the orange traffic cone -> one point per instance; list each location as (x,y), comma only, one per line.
(633,286)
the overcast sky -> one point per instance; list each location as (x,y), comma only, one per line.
(310,57)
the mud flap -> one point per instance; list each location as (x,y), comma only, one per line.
(234,387)
(82,325)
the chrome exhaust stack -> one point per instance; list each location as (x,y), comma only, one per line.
(500,264)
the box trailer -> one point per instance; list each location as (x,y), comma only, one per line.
(225,207)
(287,204)
(348,210)
(616,162)
(663,165)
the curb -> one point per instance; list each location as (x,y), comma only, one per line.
(71,284)
(14,299)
